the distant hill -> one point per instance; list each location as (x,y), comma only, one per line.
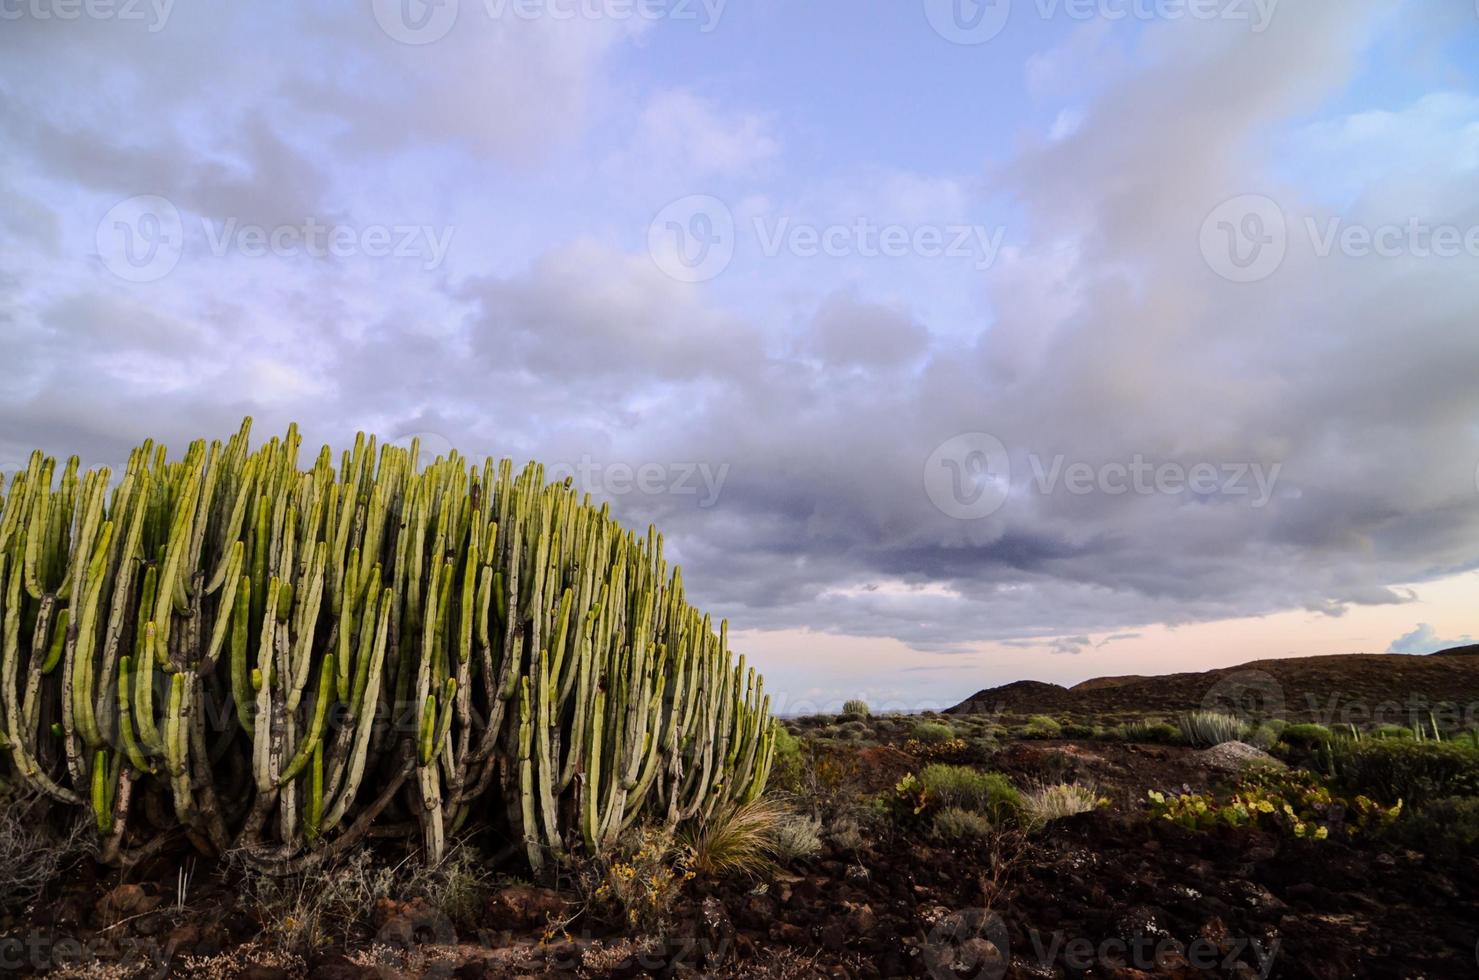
(1358,687)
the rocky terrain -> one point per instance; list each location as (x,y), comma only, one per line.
(910,846)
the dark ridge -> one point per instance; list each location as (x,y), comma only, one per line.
(1360,688)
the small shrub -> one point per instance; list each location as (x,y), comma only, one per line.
(32,855)
(1445,828)
(1205,729)
(1391,731)
(797,837)
(788,768)
(1054,801)
(857,708)
(739,839)
(956,824)
(1042,726)
(933,731)
(1074,729)
(1264,736)
(1306,739)
(1153,730)
(640,883)
(949,750)
(303,913)
(1397,769)
(847,834)
(988,793)
(1296,803)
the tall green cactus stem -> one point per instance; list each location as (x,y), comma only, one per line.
(238,641)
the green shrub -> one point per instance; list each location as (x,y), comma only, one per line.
(1306,738)
(1266,735)
(956,824)
(1054,801)
(1075,729)
(1204,729)
(933,731)
(1445,828)
(1152,730)
(1293,802)
(857,708)
(1042,726)
(1391,731)
(789,765)
(797,837)
(949,750)
(988,793)
(1415,772)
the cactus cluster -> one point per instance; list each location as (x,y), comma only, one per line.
(281,662)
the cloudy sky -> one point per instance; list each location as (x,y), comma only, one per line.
(949,342)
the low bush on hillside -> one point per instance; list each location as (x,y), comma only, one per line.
(1154,730)
(1445,828)
(1294,803)
(1398,769)
(1306,738)
(932,731)
(1043,804)
(954,824)
(1205,729)
(941,786)
(1041,726)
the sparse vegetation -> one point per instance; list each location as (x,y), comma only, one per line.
(1041,805)
(1152,730)
(797,837)
(955,823)
(740,839)
(932,731)
(1205,729)
(1042,726)
(1412,771)
(988,793)
(33,853)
